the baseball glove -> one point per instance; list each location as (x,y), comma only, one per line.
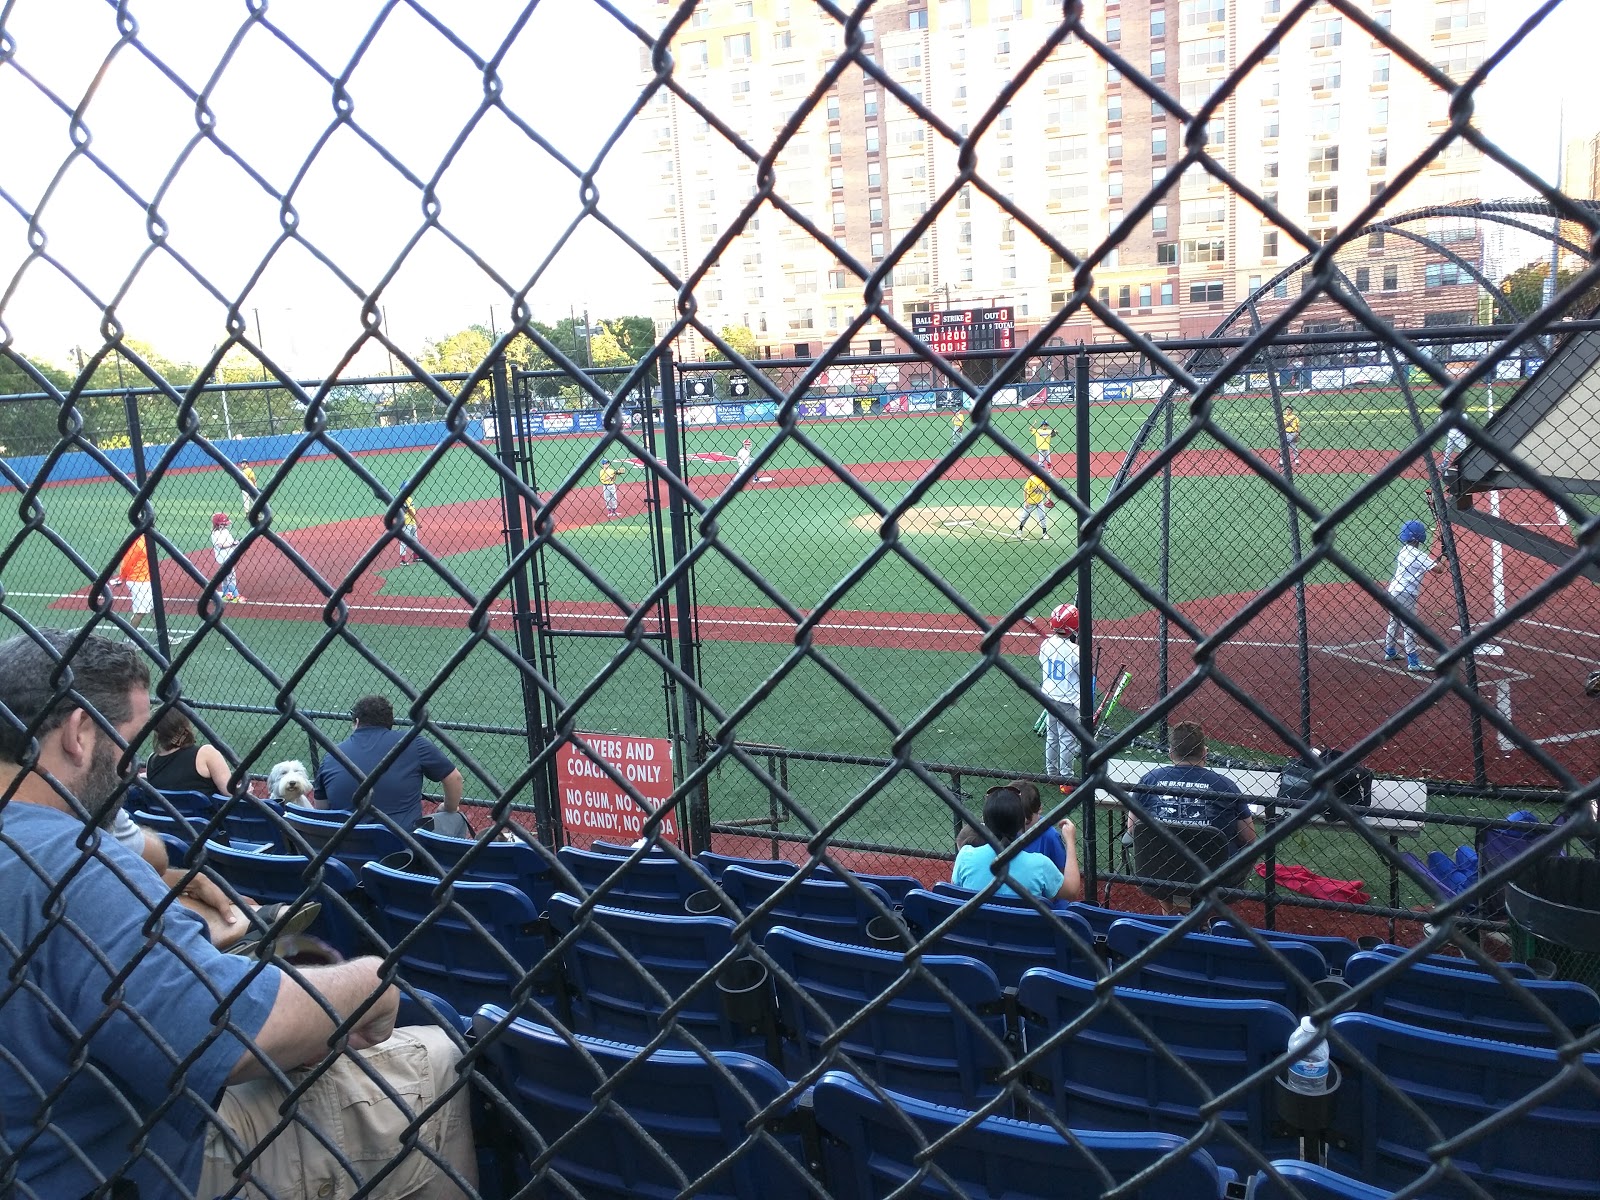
(1049,503)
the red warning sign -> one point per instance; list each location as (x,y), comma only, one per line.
(594,806)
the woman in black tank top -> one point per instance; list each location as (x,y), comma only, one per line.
(178,765)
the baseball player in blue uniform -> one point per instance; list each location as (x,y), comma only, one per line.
(1410,565)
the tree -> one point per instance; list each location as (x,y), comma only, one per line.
(1524,288)
(739,338)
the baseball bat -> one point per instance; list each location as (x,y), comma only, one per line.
(1110,699)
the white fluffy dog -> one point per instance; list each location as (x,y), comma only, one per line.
(287,782)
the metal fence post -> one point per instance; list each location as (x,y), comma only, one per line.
(1085,483)
(130,406)
(505,435)
(699,823)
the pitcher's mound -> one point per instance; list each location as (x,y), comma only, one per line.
(958,521)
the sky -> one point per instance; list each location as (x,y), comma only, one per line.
(570,73)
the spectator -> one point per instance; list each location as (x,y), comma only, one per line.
(1190,793)
(140,1058)
(178,765)
(396,790)
(1027,872)
(1050,840)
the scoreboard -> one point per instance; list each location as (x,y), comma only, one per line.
(958,330)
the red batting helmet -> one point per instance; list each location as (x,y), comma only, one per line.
(218,520)
(1065,619)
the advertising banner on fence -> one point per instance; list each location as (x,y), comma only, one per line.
(839,407)
(700,414)
(812,408)
(593,806)
(923,401)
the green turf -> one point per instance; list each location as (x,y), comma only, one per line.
(1228,537)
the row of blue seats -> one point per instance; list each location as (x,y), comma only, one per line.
(1449,994)
(610,1121)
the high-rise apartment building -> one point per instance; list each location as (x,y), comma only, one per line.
(1323,121)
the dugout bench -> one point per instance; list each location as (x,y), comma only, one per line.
(1393,803)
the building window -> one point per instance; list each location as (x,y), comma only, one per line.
(1202,12)
(694,55)
(1105,295)
(918,18)
(1324,118)
(836,178)
(869,102)
(1323,159)
(1391,279)
(1124,297)
(1114,185)
(741,89)
(1269,125)
(1205,293)
(743,10)
(1166,293)
(1008,231)
(736,48)
(877,246)
(1375,192)
(835,143)
(1166,254)
(1380,153)
(964,233)
(1271,197)
(872,139)
(708,232)
(1158,143)
(1445,274)
(964,198)
(837,280)
(875,210)
(1158,64)
(1113,75)
(874,175)
(966,274)
(1269,243)
(1206,52)
(702,16)
(782,40)
(1144,295)
(1380,112)
(1380,68)
(833,107)
(1158,24)
(1158,219)
(1325,76)
(1002,41)
(1456,15)
(1113,108)
(1327,33)
(1255,284)
(1323,236)
(1322,201)
(1363,279)
(1216,132)
(1113,30)
(1204,250)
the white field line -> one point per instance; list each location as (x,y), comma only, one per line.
(1563,738)
(1588,633)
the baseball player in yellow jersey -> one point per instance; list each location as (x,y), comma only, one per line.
(1042,433)
(1291,433)
(957,422)
(608,485)
(412,527)
(248,492)
(1035,497)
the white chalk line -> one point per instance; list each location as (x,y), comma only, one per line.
(1562,738)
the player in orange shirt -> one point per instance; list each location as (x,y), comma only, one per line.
(134,570)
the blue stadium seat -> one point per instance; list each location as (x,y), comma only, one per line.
(913,1043)
(186,830)
(1311,1182)
(658,883)
(1335,951)
(516,863)
(1471,1003)
(1218,968)
(251,819)
(186,803)
(1108,1076)
(284,878)
(1008,939)
(1102,919)
(1451,962)
(611,1000)
(443,952)
(868,1152)
(361,843)
(1457,1083)
(826,908)
(419,1007)
(895,887)
(695,1112)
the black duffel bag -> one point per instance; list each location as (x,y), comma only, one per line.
(1353,786)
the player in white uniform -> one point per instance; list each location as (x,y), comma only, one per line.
(1454,443)
(1058,669)
(1410,565)
(742,459)
(222,544)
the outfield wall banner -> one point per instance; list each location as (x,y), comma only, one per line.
(700,414)
(839,408)
(593,806)
(923,401)
(812,408)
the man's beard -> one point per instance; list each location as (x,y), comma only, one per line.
(99,781)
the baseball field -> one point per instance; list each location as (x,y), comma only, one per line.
(893,662)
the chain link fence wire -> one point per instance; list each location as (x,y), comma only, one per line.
(730,654)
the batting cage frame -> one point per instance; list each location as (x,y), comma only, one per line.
(606,773)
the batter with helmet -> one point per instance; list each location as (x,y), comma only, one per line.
(1058,669)
(222,545)
(1410,565)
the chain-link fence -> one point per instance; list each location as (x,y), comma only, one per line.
(931,772)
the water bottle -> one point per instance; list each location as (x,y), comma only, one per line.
(1308,1070)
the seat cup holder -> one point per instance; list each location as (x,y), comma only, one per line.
(400,860)
(1368,942)
(1542,968)
(887,933)
(704,904)
(742,987)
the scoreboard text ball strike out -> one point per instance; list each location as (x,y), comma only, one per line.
(957,330)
